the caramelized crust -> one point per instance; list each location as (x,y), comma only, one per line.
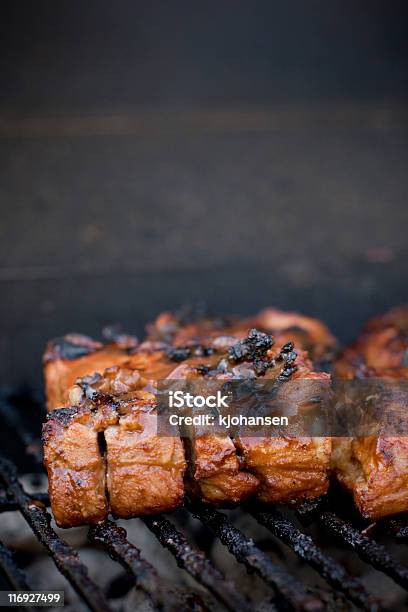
(275,469)
(145,471)
(291,468)
(62,366)
(375,469)
(75,356)
(216,474)
(136,473)
(76,469)
(305,332)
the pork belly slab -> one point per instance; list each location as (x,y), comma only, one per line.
(143,472)
(375,469)
(75,355)
(104,454)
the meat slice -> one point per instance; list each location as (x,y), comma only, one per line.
(290,467)
(217,475)
(75,466)
(284,468)
(135,473)
(375,468)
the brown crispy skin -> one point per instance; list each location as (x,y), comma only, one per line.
(61,374)
(217,476)
(290,468)
(217,473)
(306,332)
(145,471)
(275,469)
(375,469)
(76,470)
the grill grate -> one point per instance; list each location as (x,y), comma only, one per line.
(303,545)
(113,539)
(287,591)
(196,564)
(64,557)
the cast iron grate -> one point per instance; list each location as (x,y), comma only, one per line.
(287,591)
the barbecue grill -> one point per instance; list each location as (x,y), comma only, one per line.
(339,590)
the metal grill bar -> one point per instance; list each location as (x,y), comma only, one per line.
(64,557)
(113,539)
(368,550)
(196,563)
(303,545)
(254,559)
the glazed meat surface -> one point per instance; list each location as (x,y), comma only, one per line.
(136,473)
(142,472)
(75,356)
(305,332)
(286,467)
(375,469)
(76,469)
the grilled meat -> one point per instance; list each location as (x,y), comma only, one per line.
(381,351)
(76,356)
(145,471)
(137,471)
(76,468)
(286,468)
(375,468)
(306,333)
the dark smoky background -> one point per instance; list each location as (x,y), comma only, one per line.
(236,153)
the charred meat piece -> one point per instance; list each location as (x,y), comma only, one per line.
(131,472)
(75,466)
(375,468)
(381,350)
(290,467)
(76,356)
(286,468)
(307,333)
(222,470)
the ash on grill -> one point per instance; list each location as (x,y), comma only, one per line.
(198,558)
